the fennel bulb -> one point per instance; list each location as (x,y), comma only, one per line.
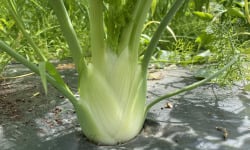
(111,108)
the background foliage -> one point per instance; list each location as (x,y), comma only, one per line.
(204,32)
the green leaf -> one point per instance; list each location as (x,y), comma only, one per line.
(239,4)
(51,69)
(42,72)
(172,33)
(204,38)
(1,27)
(236,12)
(153,6)
(245,51)
(203,15)
(48,68)
(10,23)
(203,73)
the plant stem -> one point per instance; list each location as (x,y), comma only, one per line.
(97,32)
(126,32)
(69,34)
(192,86)
(154,41)
(130,35)
(138,23)
(64,90)
(20,24)
(247,11)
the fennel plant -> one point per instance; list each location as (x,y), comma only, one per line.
(112,105)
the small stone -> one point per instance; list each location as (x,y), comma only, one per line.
(168,105)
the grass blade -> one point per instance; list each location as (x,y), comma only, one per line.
(42,72)
(154,41)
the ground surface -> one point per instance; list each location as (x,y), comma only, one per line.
(209,117)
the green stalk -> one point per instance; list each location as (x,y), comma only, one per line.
(127,31)
(138,24)
(97,32)
(247,11)
(61,88)
(130,35)
(69,34)
(192,86)
(154,41)
(20,24)
(138,21)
